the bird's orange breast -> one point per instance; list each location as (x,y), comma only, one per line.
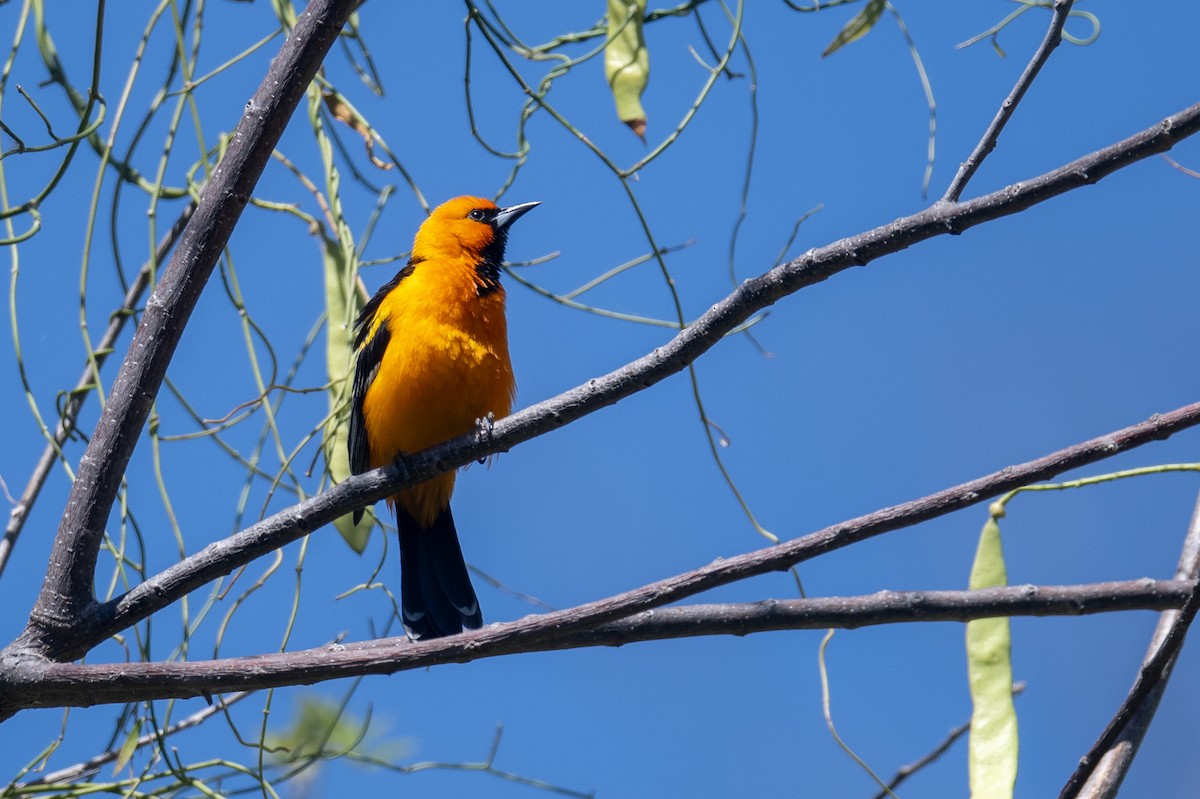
(446,365)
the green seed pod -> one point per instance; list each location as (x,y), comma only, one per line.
(341,307)
(993,747)
(627,61)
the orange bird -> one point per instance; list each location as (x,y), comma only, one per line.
(431,362)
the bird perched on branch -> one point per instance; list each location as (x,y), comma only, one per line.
(431,362)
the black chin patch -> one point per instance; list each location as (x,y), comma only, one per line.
(489,267)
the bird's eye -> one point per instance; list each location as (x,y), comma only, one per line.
(477,215)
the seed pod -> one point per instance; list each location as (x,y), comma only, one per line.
(627,61)
(341,306)
(993,747)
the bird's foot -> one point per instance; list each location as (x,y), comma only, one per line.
(403,463)
(483,430)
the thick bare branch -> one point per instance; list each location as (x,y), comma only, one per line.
(67,592)
(885,607)
(66,684)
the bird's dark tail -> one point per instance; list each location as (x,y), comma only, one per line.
(436,596)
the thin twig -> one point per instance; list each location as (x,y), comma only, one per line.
(76,397)
(91,766)
(506,589)
(988,143)
(904,772)
(1102,770)
(1191,173)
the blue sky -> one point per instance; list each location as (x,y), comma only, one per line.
(925,369)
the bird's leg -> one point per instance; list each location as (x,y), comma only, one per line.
(403,462)
(483,430)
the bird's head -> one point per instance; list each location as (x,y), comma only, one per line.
(471,226)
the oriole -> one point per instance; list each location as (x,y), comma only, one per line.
(431,362)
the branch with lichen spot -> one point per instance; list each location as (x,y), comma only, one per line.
(69,684)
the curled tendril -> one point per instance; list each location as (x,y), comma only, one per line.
(34,227)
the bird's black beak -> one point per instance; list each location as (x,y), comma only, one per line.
(506,216)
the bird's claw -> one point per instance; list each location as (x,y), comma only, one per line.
(403,462)
(483,430)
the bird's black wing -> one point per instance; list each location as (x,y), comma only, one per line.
(368,354)
(363,324)
(366,366)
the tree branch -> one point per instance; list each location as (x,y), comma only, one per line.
(222,557)
(988,143)
(100,621)
(1102,770)
(64,631)
(69,684)
(67,592)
